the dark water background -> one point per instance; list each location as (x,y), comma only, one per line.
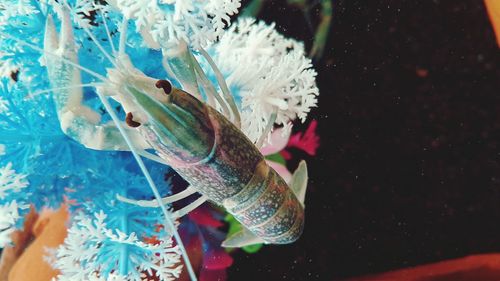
(409,117)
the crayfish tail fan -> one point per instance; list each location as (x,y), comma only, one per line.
(299,181)
(241,239)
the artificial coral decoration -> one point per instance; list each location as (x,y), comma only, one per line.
(166,22)
(307,141)
(49,159)
(268,74)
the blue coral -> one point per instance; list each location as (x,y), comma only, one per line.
(58,168)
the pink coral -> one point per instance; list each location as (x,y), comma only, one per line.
(307,141)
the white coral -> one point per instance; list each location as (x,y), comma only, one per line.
(269,72)
(9,215)
(22,7)
(168,21)
(10,181)
(77,258)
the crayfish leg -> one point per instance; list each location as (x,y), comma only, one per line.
(154,203)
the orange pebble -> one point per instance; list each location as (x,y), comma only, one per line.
(50,231)
(493,8)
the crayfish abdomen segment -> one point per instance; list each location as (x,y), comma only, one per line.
(268,207)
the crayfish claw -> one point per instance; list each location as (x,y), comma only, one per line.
(50,42)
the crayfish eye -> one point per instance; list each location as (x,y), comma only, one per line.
(129,119)
(165,85)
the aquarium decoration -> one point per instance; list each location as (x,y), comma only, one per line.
(69,137)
